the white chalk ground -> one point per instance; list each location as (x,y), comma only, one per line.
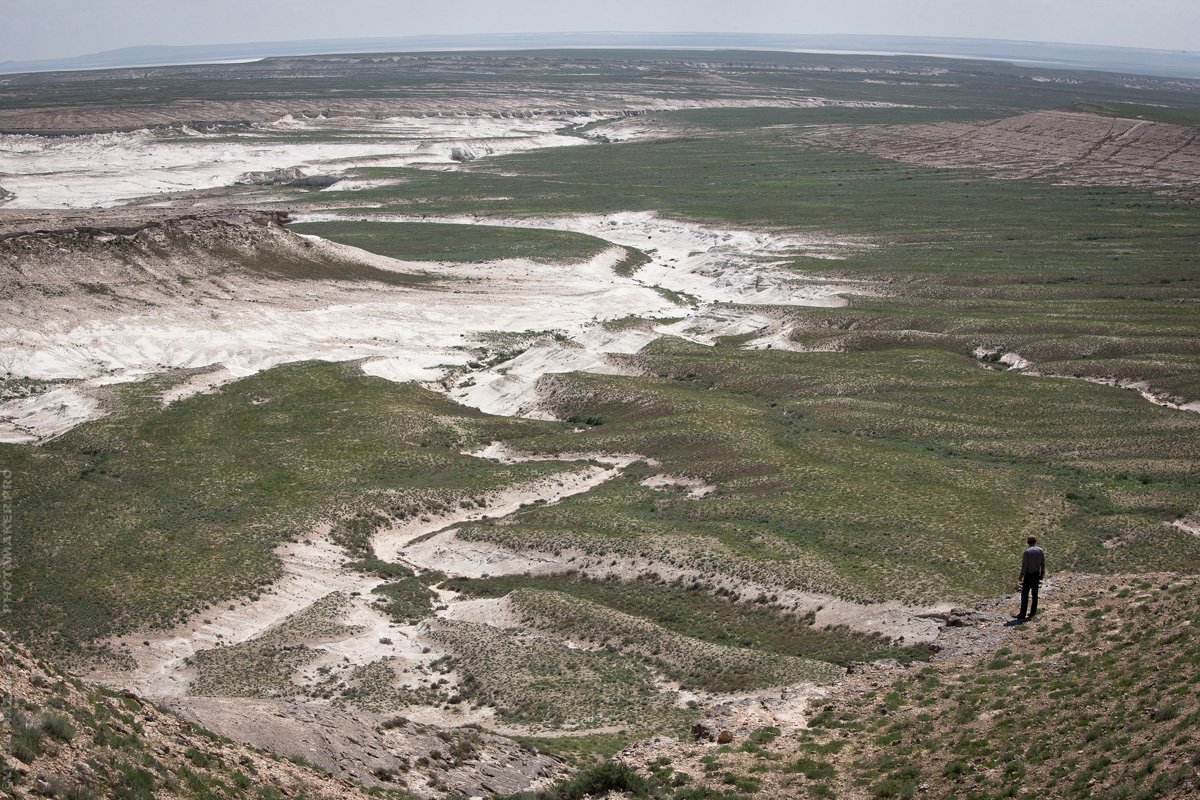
(408,334)
(311,570)
(706,264)
(1143,389)
(45,415)
(108,169)
(414,334)
(1188,525)
(404,335)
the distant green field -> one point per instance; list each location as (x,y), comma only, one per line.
(666,74)
(1173,115)
(954,225)
(422,241)
(1093,281)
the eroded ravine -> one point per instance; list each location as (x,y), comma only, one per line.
(316,568)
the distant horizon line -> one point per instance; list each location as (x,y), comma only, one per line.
(1152,61)
(528,34)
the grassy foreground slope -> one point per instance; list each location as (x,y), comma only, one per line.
(68,739)
(1097,701)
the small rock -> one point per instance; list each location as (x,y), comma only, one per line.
(724,737)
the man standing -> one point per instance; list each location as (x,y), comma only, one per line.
(1033,569)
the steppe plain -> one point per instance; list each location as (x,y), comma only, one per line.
(544,424)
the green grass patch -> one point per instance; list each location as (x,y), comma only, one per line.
(406,601)
(1176,115)
(536,680)
(431,241)
(695,664)
(693,610)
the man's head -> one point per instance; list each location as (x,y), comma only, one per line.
(1032,540)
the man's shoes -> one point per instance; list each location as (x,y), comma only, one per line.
(1020,617)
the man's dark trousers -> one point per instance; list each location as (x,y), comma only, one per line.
(1029,587)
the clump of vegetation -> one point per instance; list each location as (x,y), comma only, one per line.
(406,601)
(540,681)
(631,262)
(58,725)
(595,781)
(26,738)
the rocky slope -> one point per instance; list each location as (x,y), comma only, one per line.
(69,739)
(106,270)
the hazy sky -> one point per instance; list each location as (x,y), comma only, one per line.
(32,29)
